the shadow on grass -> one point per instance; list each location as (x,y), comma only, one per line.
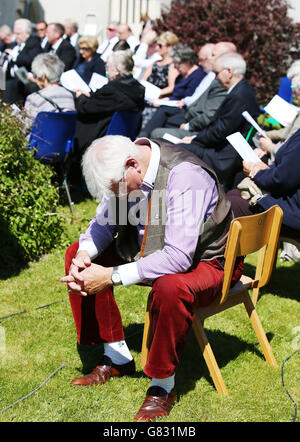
(226,348)
(11,253)
(284,280)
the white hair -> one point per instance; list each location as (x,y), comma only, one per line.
(234,61)
(104,163)
(49,65)
(25,24)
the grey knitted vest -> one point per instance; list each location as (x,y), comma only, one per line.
(213,235)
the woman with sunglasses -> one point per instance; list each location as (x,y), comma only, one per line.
(89,61)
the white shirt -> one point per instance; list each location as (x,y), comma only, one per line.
(203,85)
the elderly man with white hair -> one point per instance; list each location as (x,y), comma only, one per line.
(210,143)
(163,222)
(22,55)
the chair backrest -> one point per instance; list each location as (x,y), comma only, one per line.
(285,90)
(125,123)
(52,135)
(247,235)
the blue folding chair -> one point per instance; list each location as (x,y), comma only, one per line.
(52,138)
(285,89)
(125,123)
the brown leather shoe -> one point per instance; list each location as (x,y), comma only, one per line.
(102,373)
(158,403)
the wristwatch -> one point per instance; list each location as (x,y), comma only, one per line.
(115,276)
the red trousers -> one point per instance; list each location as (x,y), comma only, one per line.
(97,317)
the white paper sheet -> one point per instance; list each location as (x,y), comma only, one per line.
(97,81)
(171,138)
(281,110)
(71,80)
(251,120)
(172,103)
(243,147)
(152,92)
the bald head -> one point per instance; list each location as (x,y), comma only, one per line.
(224,46)
(204,56)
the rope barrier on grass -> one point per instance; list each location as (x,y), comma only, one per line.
(283,384)
(37,388)
(26,311)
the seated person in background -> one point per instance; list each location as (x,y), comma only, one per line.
(269,146)
(105,48)
(96,109)
(46,70)
(146,54)
(21,55)
(197,115)
(59,45)
(278,183)
(210,144)
(190,75)
(162,72)
(125,33)
(89,60)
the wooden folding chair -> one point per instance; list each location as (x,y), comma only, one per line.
(246,235)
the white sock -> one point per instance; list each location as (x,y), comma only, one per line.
(166,383)
(118,352)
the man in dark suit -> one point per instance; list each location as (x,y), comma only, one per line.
(210,143)
(22,55)
(60,46)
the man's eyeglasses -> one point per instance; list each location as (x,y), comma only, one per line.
(218,72)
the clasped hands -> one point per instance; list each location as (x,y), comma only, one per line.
(85,277)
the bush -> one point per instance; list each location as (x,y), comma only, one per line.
(261,30)
(29,225)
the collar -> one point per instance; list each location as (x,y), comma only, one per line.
(230,89)
(150,175)
(56,45)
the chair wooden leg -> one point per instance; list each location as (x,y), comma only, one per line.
(209,356)
(147,336)
(259,331)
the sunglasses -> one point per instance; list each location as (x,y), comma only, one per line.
(84,49)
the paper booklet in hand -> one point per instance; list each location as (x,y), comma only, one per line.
(71,80)
(281,110)
(243,148)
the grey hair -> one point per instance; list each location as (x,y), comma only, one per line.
(25,24)
(122,61)
(183,54)
(103,163)
(294,69)
(49,65)
(234,61)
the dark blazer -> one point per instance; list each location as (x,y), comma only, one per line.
(95,112)
(211,145)
(66,52)
(86,69)
(31,49)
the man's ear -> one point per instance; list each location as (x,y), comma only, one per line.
(132,162)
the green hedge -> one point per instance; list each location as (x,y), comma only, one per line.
(29,225)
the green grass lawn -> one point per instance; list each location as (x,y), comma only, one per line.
(40,341)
